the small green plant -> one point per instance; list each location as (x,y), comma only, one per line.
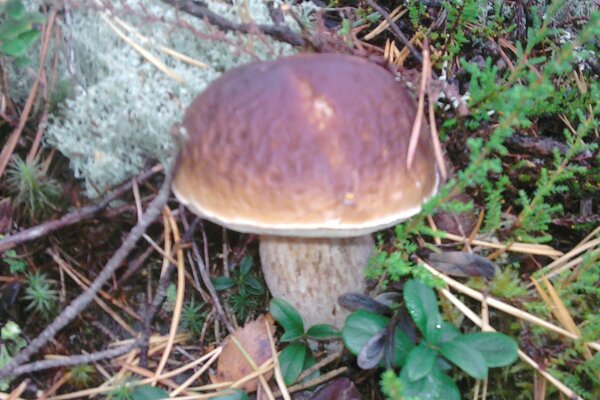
(81,375)
(33,190)
(193,317)
(12,342)
(297,356)
(19,31)
(378,340)
(245,286)
(40,294)
(234,394)
(15,264)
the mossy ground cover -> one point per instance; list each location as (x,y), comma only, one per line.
(514,95)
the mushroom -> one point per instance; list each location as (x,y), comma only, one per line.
(309,152)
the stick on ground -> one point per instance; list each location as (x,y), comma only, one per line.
(82,301)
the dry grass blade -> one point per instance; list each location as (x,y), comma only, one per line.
(395,15)
(567,256)
(553,300)
(250,361)
(145,53)
(179,296)
(173,53)
(18,391)
(477,321)
(317,381)
(196,375)
(418,123)
(67,268)
(527,248)
(277,368)
(504,307)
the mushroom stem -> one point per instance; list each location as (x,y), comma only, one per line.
(310,273)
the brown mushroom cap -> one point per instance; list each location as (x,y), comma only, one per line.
(311,145)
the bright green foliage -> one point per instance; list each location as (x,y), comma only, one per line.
(416,9)
(12,343)
(19,31)
(33,190)
(297,356)
(361,325)
(392,387)
(193,317)
(235,394)
(397,265)
(122,392)
(146,392)
(292,361)
(40,294)
(423,366)
(15,264)
(81,375)
(246,288)
(494,201)
(460,13)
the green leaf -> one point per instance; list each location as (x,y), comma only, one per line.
(448,332)
(498,350)
(245,265)
(419,362)
(290,336)
(433,329)
(361,325)
(11,28)
(15,9)
(434,386)
(22,61)
(18,46)
(291,361)
(322,332)
(235,394)
(287,316)
(222,282)
(254,286)
(421,303)
(465,357)
(149,393)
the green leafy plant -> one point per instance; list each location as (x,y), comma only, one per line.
(15,264)
(40,294)
(19,31)
(297,355)
(12,342)
(33,190)
(423,364)
(81,375)
(234,394)
(193,317)
(245,286)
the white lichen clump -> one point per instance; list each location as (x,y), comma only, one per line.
(119,116)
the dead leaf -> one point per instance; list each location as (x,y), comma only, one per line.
(254,339)
(457,263)
(337,389)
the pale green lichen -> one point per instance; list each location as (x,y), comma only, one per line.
(119,116)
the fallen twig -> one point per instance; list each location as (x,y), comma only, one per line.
(82,301)
(73,360)
(396,31)
(279,31)
(72,218)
